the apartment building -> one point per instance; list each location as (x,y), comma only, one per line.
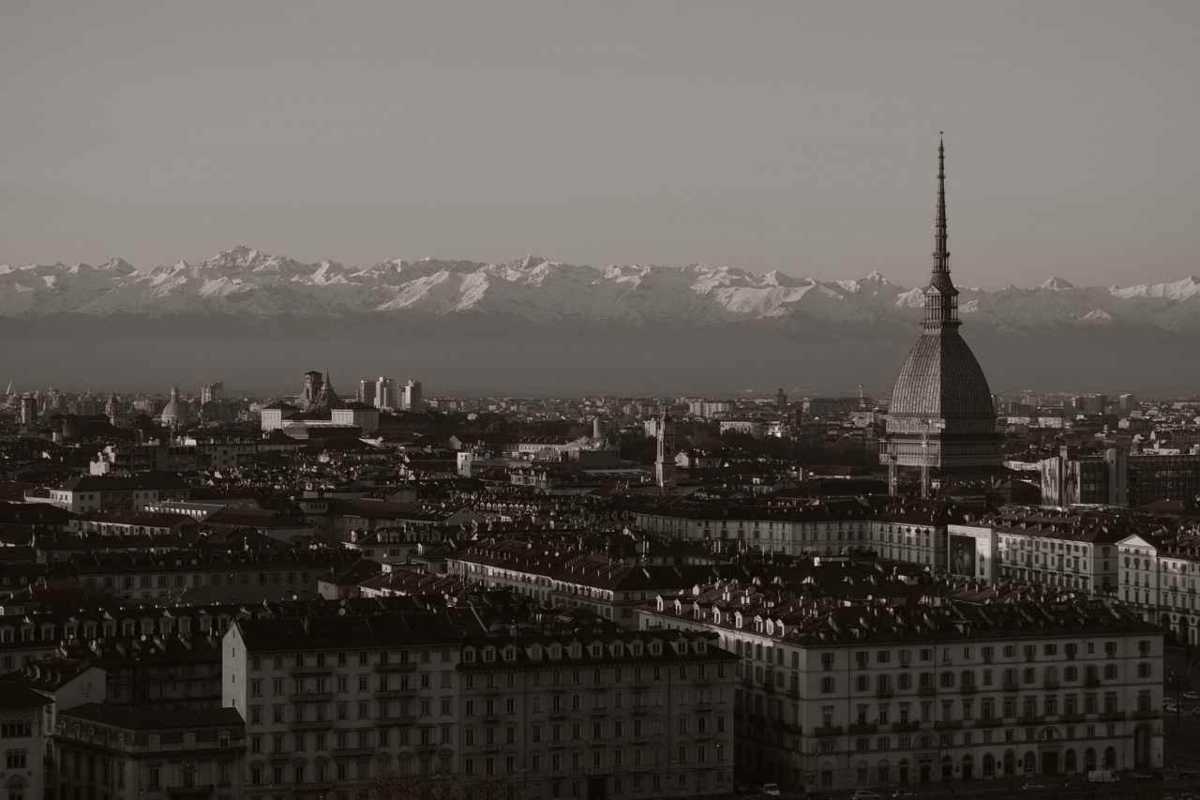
(1043,547)
(335,705)
(149,752)
(1159,575)
(914,534)
(612,588)
(25,730)
(838,695)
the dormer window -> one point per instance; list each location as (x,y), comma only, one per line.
(535,652)
(595,650)
(618,650)
(635,649)
(469,655)
(656,648)
(489,654)
(555,651)
(510,653)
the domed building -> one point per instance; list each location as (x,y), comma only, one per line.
(941,420)
(175,412)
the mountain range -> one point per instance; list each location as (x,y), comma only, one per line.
(541,325)
(246,282)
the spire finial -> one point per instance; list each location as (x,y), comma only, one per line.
(941,298)
(941,253)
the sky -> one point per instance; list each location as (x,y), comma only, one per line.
(798,136)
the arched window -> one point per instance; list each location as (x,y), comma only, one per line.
(989,765)
(1030,762)
(1110,758)
(1089,759)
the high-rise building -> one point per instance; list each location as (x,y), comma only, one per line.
(385,393)
(211,392)
(366,391)
(664,463)
(29,409)
(941,418)
(412,399)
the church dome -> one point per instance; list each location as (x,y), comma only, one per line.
(941,379)
(174,412)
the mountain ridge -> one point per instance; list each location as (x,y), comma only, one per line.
(246,281)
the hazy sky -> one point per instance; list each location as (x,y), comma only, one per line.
(789,135)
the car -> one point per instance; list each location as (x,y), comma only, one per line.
(771,789)
(1191,695)
(865,794)
(1101,776)
(1032,786)
(904,794)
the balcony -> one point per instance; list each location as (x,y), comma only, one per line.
(948,725)
(989,723)
(1146,714)
(1112,716)
(400,666)
(968,688)
(311,697)
(312,725)
(303,672)
(905,727)
(828,730)
(884,692)
(859,728)
(926,691)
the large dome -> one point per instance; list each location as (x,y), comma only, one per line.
(941,379)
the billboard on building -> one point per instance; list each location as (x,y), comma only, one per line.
(962,555)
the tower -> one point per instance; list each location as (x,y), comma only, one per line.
(941,418)
(664,462)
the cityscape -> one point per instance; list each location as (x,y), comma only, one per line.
(711,519)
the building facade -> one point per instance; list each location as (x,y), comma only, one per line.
(844,697)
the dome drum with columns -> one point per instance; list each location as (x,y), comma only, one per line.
(941,415)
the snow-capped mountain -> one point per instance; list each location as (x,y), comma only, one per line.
(249,283)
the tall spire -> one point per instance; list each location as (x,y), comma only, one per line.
(941,298)
(941,253)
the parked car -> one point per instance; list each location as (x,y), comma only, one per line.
(1101,776)
(771,789)
(1032,786)
(865,794)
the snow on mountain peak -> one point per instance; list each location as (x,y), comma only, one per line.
(1184,289)
(1057,284)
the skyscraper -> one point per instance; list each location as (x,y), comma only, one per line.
(412,399)
(211,392)
(385,394)
(941,418)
